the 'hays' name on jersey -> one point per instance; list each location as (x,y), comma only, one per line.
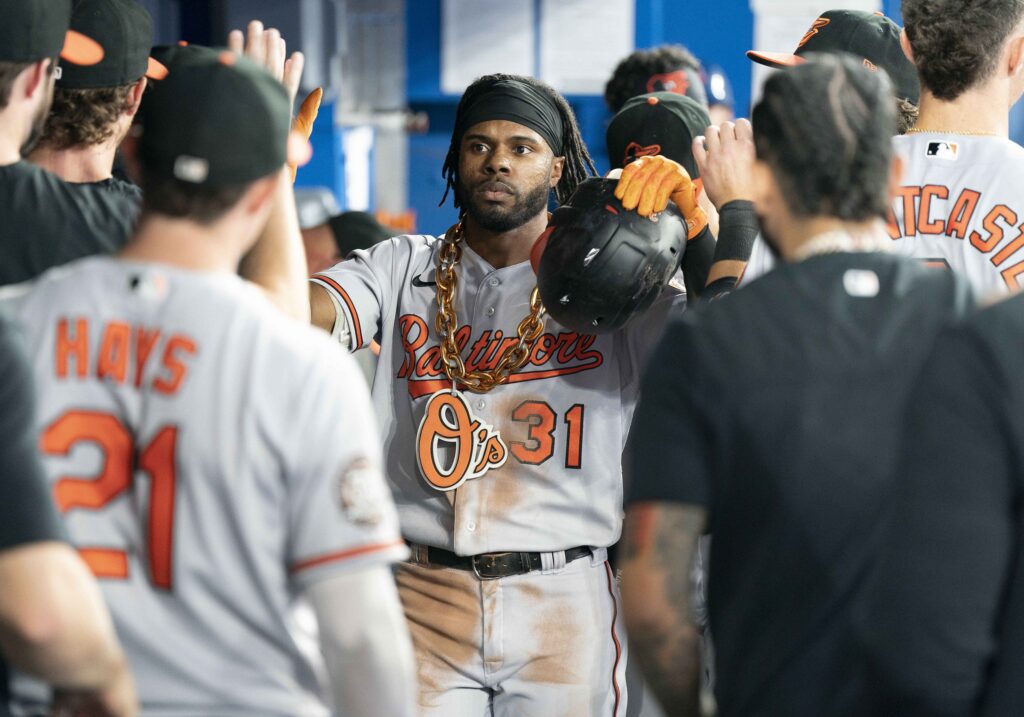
(125,353)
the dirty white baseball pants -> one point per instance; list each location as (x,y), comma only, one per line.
(543,644)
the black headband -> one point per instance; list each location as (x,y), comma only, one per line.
(517,102)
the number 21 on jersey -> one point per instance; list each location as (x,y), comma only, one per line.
(120,459)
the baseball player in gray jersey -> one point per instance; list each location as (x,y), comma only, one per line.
(215,461)
(508,483)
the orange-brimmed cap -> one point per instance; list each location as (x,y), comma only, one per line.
(155,70)
(775,59)
(80,49)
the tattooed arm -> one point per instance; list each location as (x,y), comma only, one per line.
(659,547)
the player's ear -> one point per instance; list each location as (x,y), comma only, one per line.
(135,96)
(905,44)
(37,76)
(557,166)
(895,175)
(1015,56)
(260,194)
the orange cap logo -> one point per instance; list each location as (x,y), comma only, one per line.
(634,150)
(815,28)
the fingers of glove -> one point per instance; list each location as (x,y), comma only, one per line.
(659,188)
(307,112)
(293,67)
(635,183)
(626,175)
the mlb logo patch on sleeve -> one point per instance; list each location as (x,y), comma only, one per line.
(943,150)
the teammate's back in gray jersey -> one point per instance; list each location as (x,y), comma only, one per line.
(213,460)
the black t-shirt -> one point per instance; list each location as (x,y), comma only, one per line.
(779,409)
(948,601)
(47,222)
(27,513)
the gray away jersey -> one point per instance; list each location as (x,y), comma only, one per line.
(212,458)
(960,206)
(539,459)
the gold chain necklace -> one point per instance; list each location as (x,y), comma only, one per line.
(447,324)
(925,130)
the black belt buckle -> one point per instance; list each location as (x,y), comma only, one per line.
(491,566)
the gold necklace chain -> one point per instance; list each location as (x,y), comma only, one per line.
(925,130)
(447,324)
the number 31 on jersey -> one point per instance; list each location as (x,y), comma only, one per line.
(453,445)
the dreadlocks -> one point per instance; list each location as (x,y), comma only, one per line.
(578,164)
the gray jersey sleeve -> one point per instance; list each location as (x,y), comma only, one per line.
(340,513)
(363,286)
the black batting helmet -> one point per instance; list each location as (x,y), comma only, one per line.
(598,264)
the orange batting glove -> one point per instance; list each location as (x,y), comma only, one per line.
(304,120)
(648,184)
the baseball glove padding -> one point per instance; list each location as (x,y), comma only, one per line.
(598,264)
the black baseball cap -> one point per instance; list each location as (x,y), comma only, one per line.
(125,29)
(870,36)
(662,123)
(32,30)
(218,120)
(356,230)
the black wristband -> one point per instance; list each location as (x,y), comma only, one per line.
(737,229)
(697,260)
(719,288)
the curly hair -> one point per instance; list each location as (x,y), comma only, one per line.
(85,117)
(578,164)
(824,128)
(957,43)
(634,71)
(906,115)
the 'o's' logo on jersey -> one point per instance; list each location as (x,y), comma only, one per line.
(635,149)
(453,446)
(815,29)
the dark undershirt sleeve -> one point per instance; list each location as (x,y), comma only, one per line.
(934,603)
(27,513)
(669,446)
(697,259)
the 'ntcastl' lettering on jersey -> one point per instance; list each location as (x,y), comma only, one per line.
(212,459)
(532,465)
(961,206)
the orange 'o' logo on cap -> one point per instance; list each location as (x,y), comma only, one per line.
(815,28)
(677,82)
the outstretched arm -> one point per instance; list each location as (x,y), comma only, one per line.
(277,262)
